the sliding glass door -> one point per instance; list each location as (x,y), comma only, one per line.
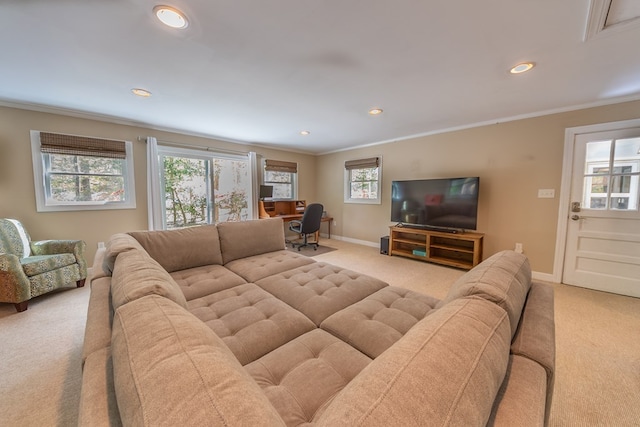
(204,188)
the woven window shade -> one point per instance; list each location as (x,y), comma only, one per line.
(57,143)
(371,162)
(281,166)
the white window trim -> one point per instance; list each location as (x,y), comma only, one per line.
(39,182)
(376,201)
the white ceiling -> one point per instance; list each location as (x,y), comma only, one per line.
(262,71)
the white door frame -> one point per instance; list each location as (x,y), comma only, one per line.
(565,186)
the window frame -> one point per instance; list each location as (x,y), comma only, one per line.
(294,182)
(208,156)
(42,181)
(348,181)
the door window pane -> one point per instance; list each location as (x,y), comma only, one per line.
(612,174)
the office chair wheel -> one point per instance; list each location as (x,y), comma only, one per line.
(299,248)
(315,248)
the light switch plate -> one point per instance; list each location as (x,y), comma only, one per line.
(546,193)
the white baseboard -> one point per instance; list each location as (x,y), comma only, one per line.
(545,277)
(355,241)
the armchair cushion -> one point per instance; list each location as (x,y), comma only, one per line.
(35,265)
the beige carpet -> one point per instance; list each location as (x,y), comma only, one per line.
(597,338)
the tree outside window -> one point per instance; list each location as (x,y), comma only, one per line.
(362,181)
(282,183)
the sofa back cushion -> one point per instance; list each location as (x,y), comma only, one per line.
(446,370)
(183,248)
(248,238)
(504,279)
(118,243)
(170,369)
(136,275)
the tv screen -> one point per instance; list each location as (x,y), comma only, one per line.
(450,203)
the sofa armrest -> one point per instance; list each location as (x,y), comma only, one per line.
(14,284)
(535,337)
(53,247)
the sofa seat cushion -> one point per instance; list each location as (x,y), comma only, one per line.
(258,267)
(171,370)
(319,290)
(378,321)
(302,377)
(136,274)
(208,279)
(245,239)
(39,264)
(446,370)
(182,248)
(504,279)
(249,320)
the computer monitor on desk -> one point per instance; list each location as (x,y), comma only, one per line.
(266,191)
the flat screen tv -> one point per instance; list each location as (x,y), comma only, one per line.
(450,204)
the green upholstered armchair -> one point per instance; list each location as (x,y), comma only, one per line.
(29,269)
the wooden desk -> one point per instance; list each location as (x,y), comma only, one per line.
(291,217)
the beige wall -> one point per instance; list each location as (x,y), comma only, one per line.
(513,159)
(17,198)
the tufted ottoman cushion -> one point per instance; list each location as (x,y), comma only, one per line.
(318,290)
(250,321)
(260,266)
(303,376)
(200,281)
(377,322)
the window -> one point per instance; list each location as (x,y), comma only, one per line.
(612,175)
(362,180)
(81,173)
(282,176)
(204,188)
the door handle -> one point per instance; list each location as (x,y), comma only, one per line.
(575,217)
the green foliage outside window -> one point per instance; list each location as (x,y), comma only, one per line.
(363,183)
(74,178)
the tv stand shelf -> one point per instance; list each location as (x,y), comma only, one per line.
(460,250)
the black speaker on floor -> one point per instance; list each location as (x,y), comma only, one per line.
(384,245)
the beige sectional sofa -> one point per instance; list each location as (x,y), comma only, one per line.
(220,325)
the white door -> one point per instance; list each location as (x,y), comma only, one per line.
(603,232)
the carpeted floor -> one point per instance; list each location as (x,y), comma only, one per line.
(597,338)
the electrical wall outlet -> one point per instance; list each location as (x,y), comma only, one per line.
(334,222)
(518,248)
(100,245)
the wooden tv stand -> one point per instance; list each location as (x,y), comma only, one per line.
(460,250)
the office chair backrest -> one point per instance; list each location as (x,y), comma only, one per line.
(311,218)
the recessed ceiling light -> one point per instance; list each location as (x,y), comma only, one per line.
(375,111)
(141,92)
(522,67)
(304,132)
(171,17)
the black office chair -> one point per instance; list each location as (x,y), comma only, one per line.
(309,224)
